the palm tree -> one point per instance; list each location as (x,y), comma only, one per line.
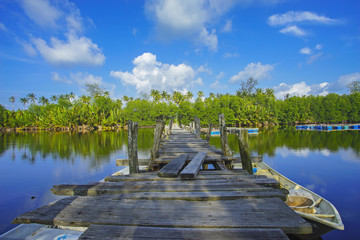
(24,101)
(32,97)
(53,98)
(189,95)
(43,100)
(71,96)
(125,98)
(155,94)
(12,100)
(177,97)
(165,96)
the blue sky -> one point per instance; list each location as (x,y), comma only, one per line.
(299,47)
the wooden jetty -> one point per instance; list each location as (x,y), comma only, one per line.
(178,202)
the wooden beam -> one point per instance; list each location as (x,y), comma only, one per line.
(173,168)
(157,140)
(193,168)
(95,232)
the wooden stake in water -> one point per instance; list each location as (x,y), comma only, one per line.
(157,139)
(170,125)
(132,147)
(244,150)
(223,135)
(209,132)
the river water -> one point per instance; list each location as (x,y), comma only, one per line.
(328,163)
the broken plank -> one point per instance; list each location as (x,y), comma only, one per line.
(193,168)
(109,210)
(173,168)
(107,232)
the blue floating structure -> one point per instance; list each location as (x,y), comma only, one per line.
(253,130)
(355,127)
(328,128)
(338,127)
(215,133)
(346,127)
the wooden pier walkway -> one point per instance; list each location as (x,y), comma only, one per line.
(214,204)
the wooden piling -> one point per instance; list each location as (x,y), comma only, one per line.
(223,135)
(170,125)
(209,133)
(132,147)
(197,127)
(157,139)
(244,151)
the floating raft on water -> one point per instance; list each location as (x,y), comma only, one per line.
(328,127)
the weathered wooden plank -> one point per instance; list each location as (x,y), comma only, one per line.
(186,145)
(197,127)
(157,140)
(219,165)
(191,150)
(173,168)
(154,186)
(110,210)
(95,232)
(193,168)
(223,135)
(208,134)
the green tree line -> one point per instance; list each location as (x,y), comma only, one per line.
(247,107)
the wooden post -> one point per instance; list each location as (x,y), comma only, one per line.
(209,133)
(197,127)
(132,147)
(170,125)
(157,139)
(244,150)
(223,135)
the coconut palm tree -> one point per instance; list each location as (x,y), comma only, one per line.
(155,94)
(43,100)
(12,100)
(32,97)
(24,101)
(53,98)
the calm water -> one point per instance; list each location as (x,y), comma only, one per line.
(325,162)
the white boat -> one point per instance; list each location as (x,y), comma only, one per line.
(315,209)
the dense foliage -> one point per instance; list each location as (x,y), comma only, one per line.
(245,108)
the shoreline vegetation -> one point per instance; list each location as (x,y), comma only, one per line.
(248,107)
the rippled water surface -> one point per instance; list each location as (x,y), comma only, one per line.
(30,163)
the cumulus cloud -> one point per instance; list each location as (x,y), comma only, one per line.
(220,75)
(344,80)
(74,51)
(41,12)
(72,48)
(305,50)
(148,74)
(293,30)
(204,69)
(318,47)
(217,85)
(255,70)
(301,89)
(299,17)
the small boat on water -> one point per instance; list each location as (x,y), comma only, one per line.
(315,209)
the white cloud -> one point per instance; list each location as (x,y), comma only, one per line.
(255,70)
(188,19)
(301,89)
(293,30)
(75,51)
(204,68)
(56,77)
(228,26)
(217,85)
(315,57)
(220,75)
(29,49)
(305,50)
(318,47)
(41,12)
(3,27)
(299,17)
(342,82)
(230,55)
(148,74)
